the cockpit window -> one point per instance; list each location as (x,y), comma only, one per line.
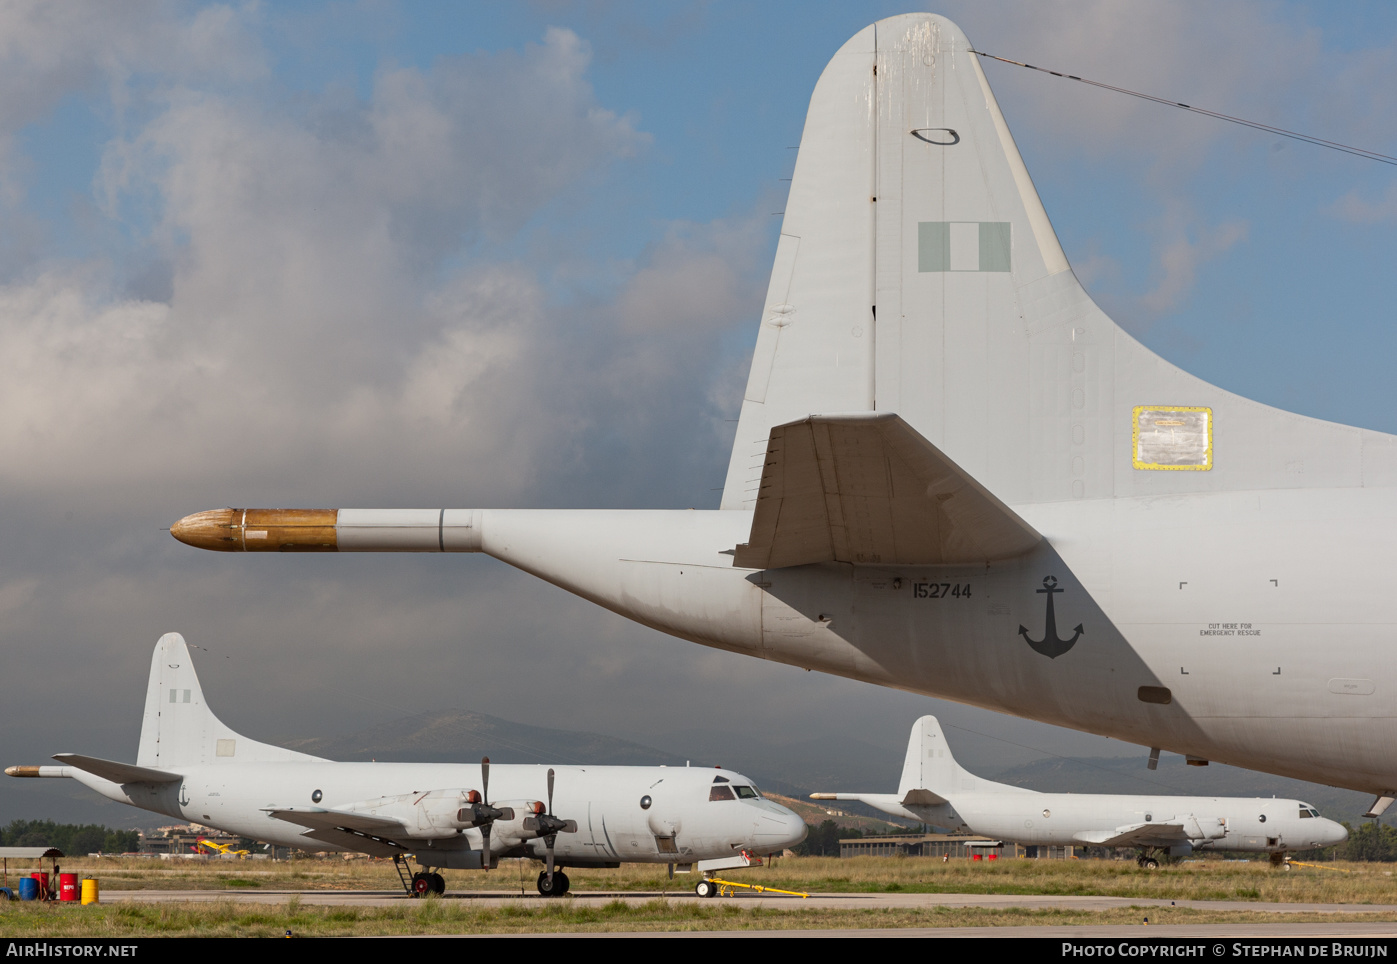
(720,780)
(720,793)
(1308,811)
(746,793)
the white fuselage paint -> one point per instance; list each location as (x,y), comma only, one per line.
(935,789)
(1241,825)
(605,801)
(1266,614)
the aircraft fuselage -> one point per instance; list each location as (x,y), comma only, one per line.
(624,814)
(1059,819)
(1250,628)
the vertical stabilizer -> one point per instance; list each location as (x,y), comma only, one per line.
(179,730)
(930,766)
(917,273)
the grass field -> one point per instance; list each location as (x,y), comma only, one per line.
(432,916)
(1360,883)
(1199,880)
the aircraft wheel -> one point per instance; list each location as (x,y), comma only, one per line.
(421,884)
(438,883)
(706,888)
(556,887)
(1151,863)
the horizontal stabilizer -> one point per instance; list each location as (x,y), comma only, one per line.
(887,802)
(922,798)
(867,488)
(117,772)
(321,819)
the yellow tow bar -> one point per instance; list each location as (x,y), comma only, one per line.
(732,886)
(1298,863)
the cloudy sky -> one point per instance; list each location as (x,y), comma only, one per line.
(341,254)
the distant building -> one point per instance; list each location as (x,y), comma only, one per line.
(182,840)
(955,846)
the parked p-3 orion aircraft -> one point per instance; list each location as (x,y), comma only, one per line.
(936,790)
(193,767)
(955,475)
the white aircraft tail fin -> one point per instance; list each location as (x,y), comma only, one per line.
(179,730)
(917,273)
(929,766)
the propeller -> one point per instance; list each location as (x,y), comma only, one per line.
(548,827)
(480,814)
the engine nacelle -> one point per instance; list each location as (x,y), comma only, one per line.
(1203,829)
(522,824)
(434,813)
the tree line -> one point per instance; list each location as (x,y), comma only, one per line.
(73,839)
(823,841)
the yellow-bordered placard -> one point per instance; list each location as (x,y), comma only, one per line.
(1171,438)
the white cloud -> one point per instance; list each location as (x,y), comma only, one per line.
(49,51)
(329,309)
(1352,207)
(15,595)
(1248,59)
(1184,246)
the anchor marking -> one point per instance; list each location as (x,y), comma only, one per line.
(1050,646)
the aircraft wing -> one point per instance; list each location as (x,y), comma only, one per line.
(364,844)
(317,818)
(1137,835)
(117,772)
(868,488)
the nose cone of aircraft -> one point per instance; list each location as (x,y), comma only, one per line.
(793,828)
(1330,833)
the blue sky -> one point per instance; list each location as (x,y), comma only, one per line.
(514,254)
(717,91)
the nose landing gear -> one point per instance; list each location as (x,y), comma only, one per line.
(553,885)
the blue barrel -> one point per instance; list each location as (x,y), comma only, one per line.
(28,888)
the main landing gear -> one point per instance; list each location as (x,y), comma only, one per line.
(420,884)
(426,883)
(1146,862)
(556,886)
